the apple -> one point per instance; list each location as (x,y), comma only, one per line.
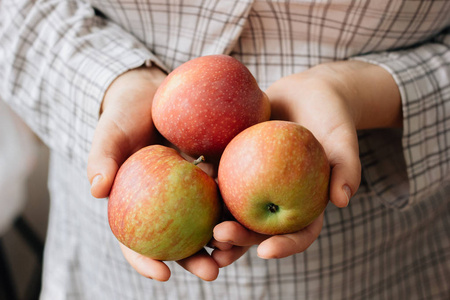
(274,177)
(205,102)
(163,206)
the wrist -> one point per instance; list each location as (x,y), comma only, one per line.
(369,91)
(139,80)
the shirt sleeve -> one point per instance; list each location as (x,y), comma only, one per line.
(422,74)
(57,59)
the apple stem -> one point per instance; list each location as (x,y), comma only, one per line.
(199,160)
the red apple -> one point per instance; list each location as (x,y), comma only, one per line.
(163,206)
(205,102)
(274,177)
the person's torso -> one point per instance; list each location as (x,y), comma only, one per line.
(276,38)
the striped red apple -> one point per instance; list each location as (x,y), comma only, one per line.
(205,102)
(163,206)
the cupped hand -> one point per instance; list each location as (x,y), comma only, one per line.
(332,100)
(125,126)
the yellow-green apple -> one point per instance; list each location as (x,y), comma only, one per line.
(274,177)
(163,206)
(205,102)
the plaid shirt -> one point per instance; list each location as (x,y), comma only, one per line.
(392,242)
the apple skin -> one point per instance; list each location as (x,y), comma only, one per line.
(274,177)
(163,206)
(205,102)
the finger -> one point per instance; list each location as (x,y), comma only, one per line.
(345,173)
(280,246)
(224,258)
(234,233)
(124,126)
(201,265)
(219,245)
(146,266)
(344,183)
(107,153)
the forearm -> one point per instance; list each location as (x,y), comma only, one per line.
(57,60)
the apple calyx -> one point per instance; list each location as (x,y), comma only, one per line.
(273,208)
(199,160)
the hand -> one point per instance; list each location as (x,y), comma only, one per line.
(232,240)
(125,126)
(333,101)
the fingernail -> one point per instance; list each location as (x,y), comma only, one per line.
(96,180)
(347,192)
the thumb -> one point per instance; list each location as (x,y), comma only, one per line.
(116,137)
(106,155)
(124,127)
(345,174)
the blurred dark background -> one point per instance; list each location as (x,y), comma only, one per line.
(24,205)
